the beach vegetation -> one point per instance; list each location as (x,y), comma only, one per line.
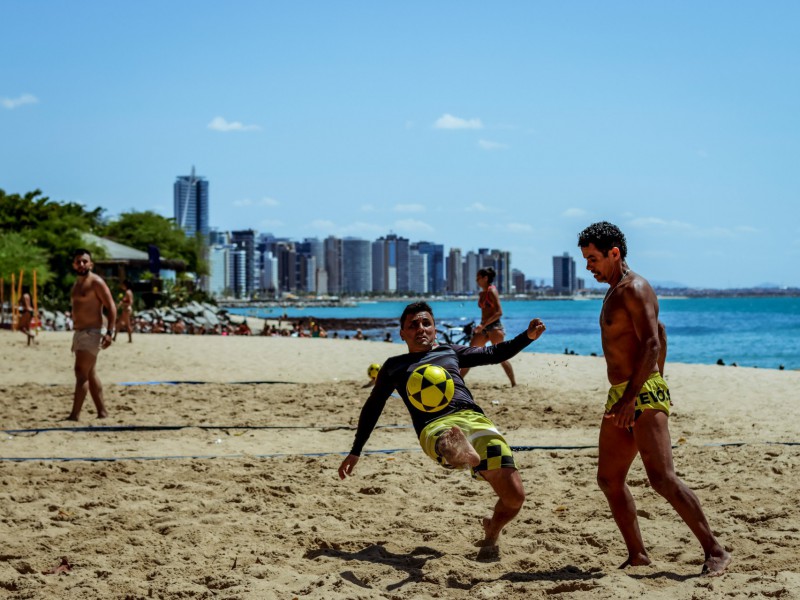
(47,232)
(141,229)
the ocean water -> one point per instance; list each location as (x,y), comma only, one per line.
(752,332)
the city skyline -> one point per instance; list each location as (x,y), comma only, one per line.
(511,126)
(246,264)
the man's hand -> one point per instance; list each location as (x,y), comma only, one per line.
(347,466)
(535,329)
(108,337)
(622,413)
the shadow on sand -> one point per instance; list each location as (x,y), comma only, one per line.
(569,578)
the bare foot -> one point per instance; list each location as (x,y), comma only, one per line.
(490,533)
(456,449)
(71,418)
(488,553)
(102,415)
(716,564)
(640,560)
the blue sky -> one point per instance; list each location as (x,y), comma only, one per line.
(507,125)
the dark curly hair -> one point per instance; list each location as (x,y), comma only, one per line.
(604,236)
(414,308)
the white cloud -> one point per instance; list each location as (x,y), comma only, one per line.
(361,229)
(323,224)
(519,228)
(478,207)
(690,229)
(573,213)
(413,227)
(447,121)
(220,124)
(368,208)
(271,202)
(489,145)
(644,222)
(12,103)
(409,208)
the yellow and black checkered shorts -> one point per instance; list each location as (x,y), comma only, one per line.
(490,445)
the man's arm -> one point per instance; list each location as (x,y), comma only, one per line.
(474,356)
(370,413)
(106,300)
(662,353)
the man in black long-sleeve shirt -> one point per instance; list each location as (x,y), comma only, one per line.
(455,433)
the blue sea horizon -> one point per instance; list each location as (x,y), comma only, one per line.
(759,332)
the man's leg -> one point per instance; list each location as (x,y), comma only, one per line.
(616,453)
(86,380)
(507,484)
(84,363)
(653,440)
(96,390)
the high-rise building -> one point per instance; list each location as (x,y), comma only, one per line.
(564,275)
(333,264)
(435,260)
(500,261)
(471,267)
(288,272)
(311,255)
(357,265)
(518,281)
(455,271)
(390,264)
(418,272)
(190,200)
(245,240)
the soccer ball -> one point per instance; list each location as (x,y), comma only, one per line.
(372,370)
(430,388)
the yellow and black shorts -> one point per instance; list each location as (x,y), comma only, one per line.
(490,445)
(654,395)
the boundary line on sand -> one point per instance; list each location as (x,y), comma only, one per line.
(319,454)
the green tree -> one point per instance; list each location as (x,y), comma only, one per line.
(18,253)
(52,227)
(140,229)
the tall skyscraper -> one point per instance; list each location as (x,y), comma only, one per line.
(357,261)
(500,261)
(564,275)
(245,240)
(390,264)
(190,200)
(435,260)
(455,271)
(333,264)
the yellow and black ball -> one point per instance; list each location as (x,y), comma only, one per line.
(430,388)
(372,370)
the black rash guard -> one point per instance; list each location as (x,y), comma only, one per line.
(395,372)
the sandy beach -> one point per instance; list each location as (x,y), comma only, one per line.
(215,477)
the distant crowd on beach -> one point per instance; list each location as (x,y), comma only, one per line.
(278,328)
